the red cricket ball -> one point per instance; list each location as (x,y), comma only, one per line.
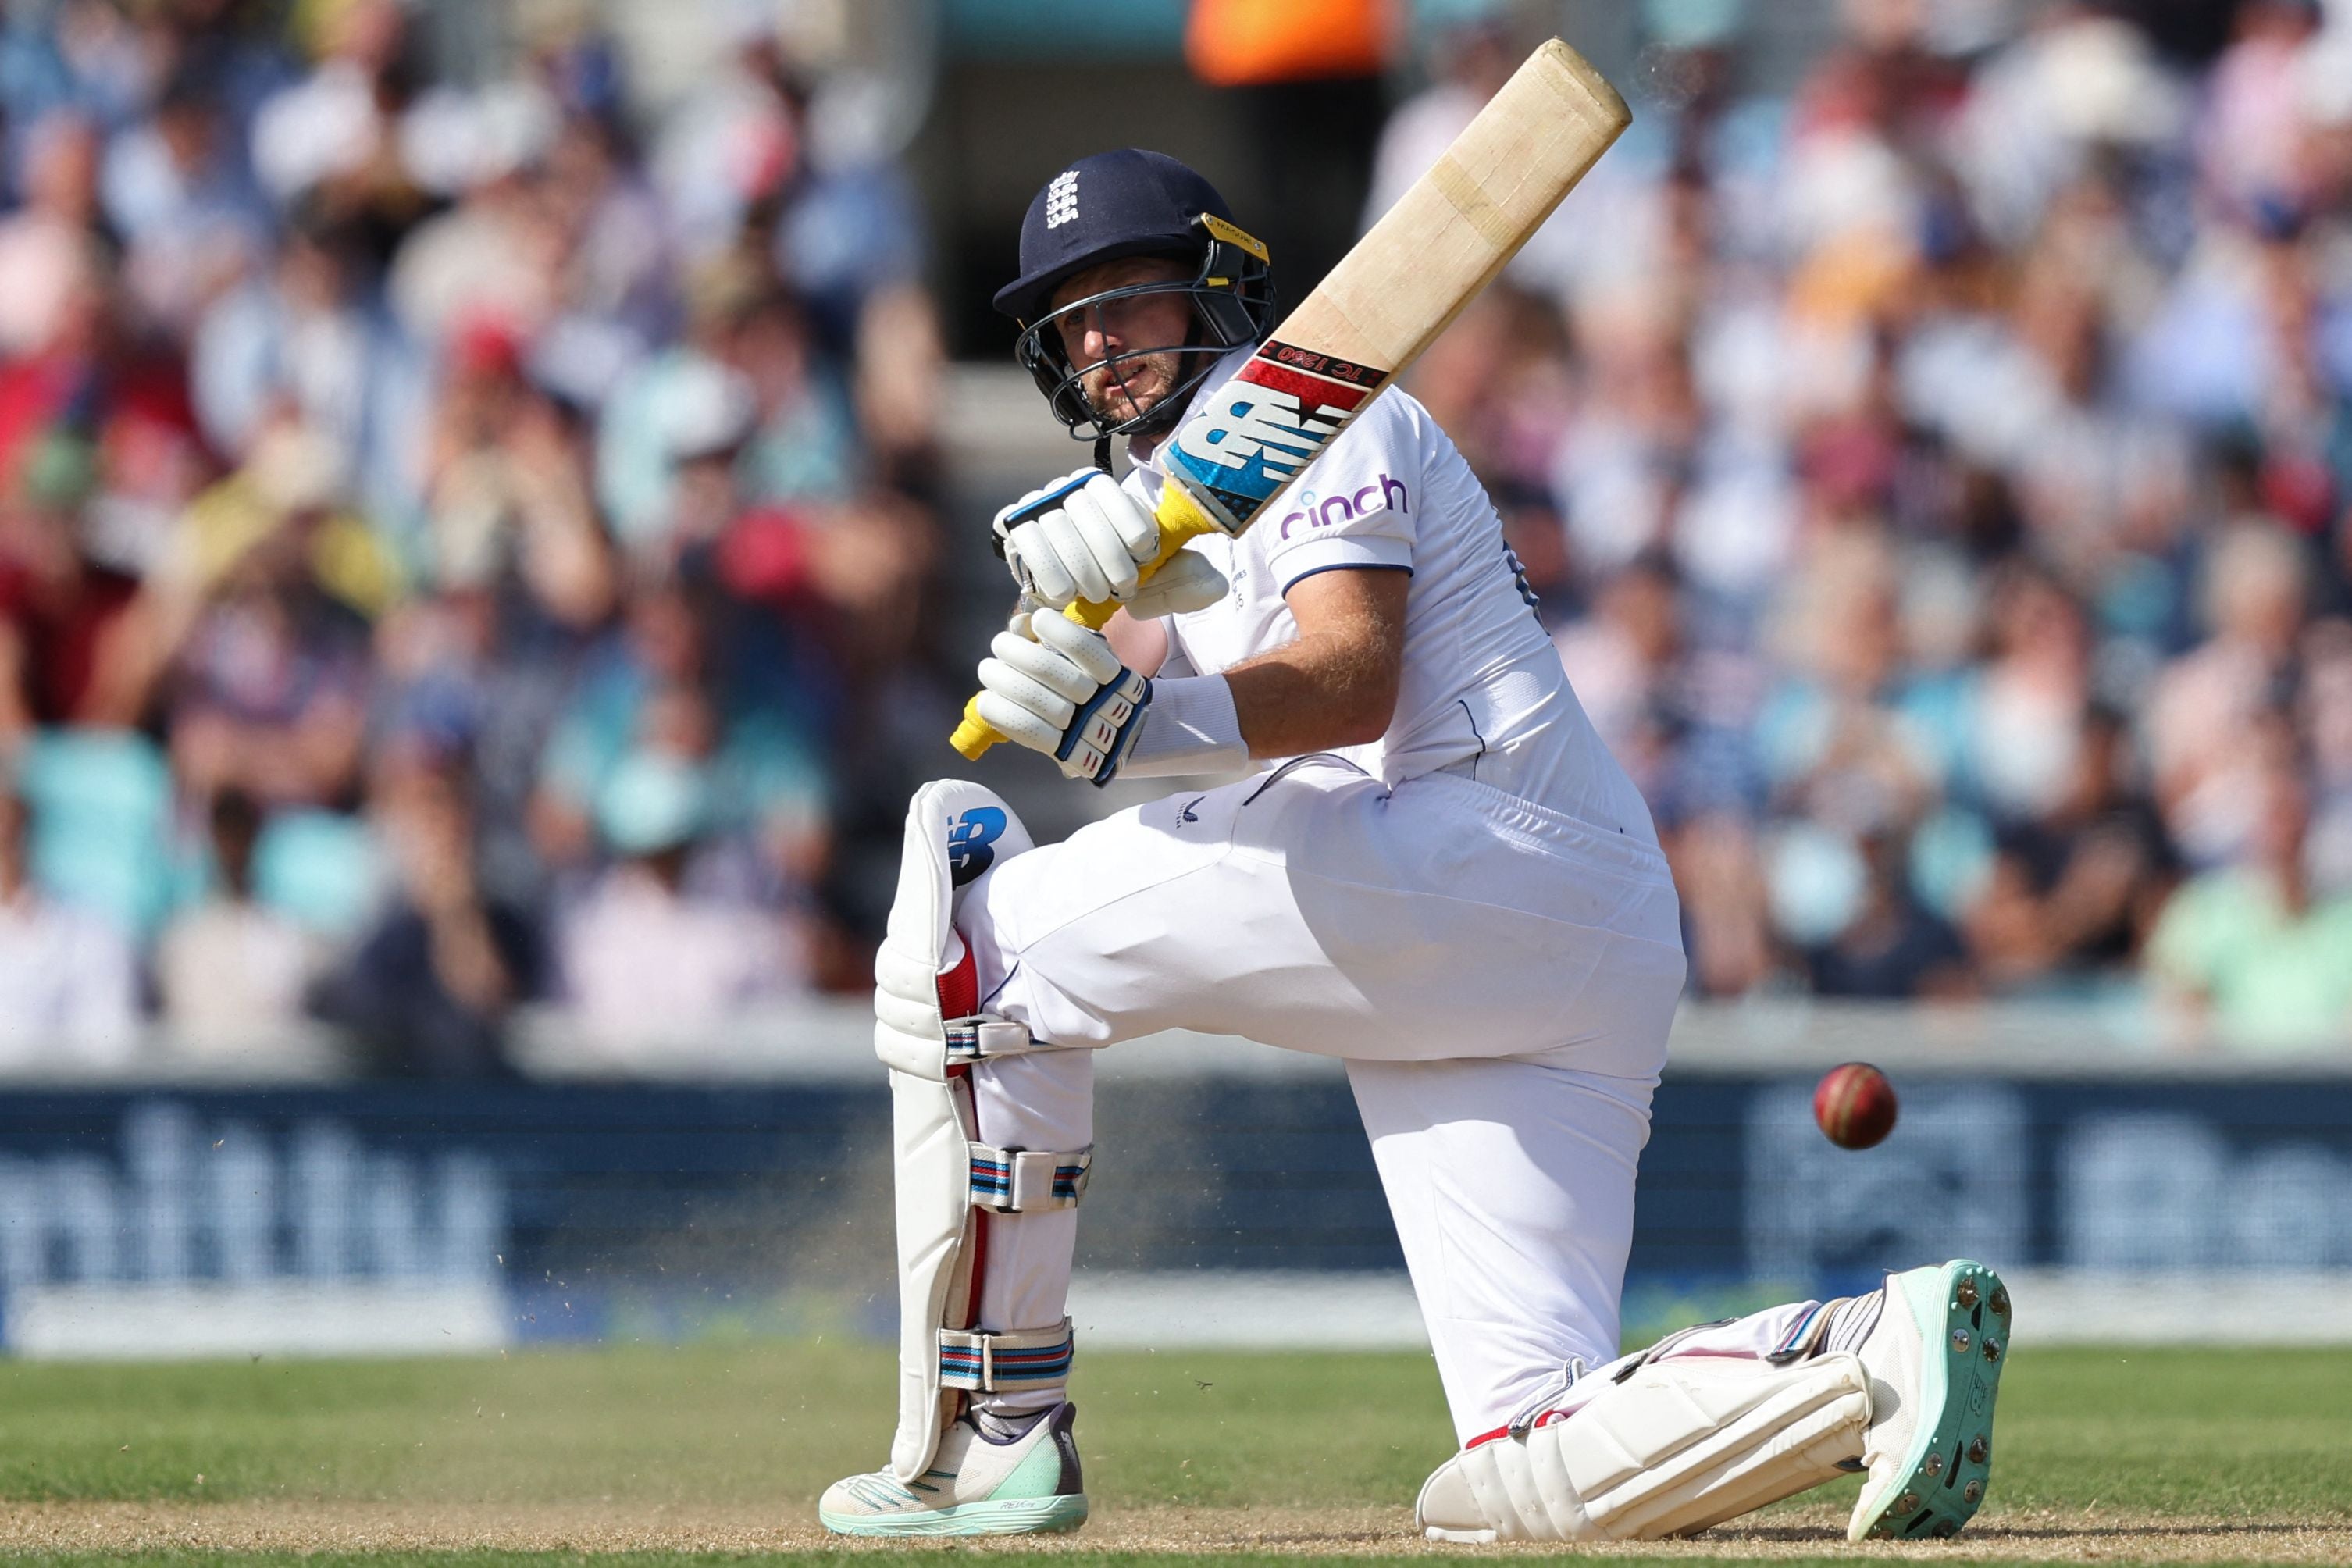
(1855,1105)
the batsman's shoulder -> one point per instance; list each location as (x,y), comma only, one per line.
(1395,411)
(1391,432)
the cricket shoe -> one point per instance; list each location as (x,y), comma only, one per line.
(1933,1360)
(992,1475)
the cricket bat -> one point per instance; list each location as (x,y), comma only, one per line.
(1386,302)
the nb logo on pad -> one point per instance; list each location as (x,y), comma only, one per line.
(969,838)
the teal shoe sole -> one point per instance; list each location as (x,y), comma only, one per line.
(1013,1516)
(1963,1315)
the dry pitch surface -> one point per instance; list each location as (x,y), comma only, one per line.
(1808,1532)
(2112,1457)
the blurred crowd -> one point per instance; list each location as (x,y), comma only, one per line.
(1939,479)
(445,517)
(450,519)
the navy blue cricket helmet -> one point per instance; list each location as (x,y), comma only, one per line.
(1133,202)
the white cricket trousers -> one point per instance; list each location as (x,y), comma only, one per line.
(1500,979)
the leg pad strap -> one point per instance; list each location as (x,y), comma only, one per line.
(984,1037)
(1028,1181)
(1017,1358)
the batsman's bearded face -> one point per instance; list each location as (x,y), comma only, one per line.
(1127,349)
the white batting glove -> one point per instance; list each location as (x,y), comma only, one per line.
(1187,580)
(1081,537)
(1066,694)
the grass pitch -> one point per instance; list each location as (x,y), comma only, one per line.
(2117,1456)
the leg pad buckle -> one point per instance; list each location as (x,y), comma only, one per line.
(1028,1181)
(984,1363)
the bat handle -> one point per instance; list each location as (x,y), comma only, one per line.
(1180,520)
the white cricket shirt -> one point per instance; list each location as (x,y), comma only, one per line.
(1483,694)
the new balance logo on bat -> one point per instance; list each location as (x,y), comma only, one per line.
(1245,420)
(1253,435)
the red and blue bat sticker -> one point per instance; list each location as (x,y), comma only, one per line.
(1254,434)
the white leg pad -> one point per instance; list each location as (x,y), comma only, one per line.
(955,831)
(1676,1447)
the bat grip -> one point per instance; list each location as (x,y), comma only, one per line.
(1179,521)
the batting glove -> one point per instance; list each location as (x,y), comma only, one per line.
(1081,537)
(1062,691)
(1187,581)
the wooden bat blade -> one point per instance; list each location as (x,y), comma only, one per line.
(1402,285)
(1387,300)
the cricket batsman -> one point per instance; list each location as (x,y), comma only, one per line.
(1437,873)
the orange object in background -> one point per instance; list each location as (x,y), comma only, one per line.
(1248,43)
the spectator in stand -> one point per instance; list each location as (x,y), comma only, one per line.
(736,143)
(67,619)
(805,443)
(651,965)
(335,133)
(48,247)
(2252,955)
(1623,661)
(492,258)
(302,339)
(616,301)
(2208,705)
(1727,930)
(506,488)
(67,989)
(1891,947)
(270,681)
(429,990)
(705,679)
(232,974)
(753,383)
(177,193)
(2071,894)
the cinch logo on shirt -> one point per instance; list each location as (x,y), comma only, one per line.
(1343,507)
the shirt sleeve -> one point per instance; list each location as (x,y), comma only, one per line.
(1179,661)
(1358,505)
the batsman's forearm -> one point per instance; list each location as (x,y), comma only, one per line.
(1325,691)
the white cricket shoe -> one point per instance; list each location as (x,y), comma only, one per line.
(992,1475)
(1933,1359)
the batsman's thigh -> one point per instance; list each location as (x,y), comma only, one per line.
(1512,1185)
(1461,921)
(1139,923)
(1316,910)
